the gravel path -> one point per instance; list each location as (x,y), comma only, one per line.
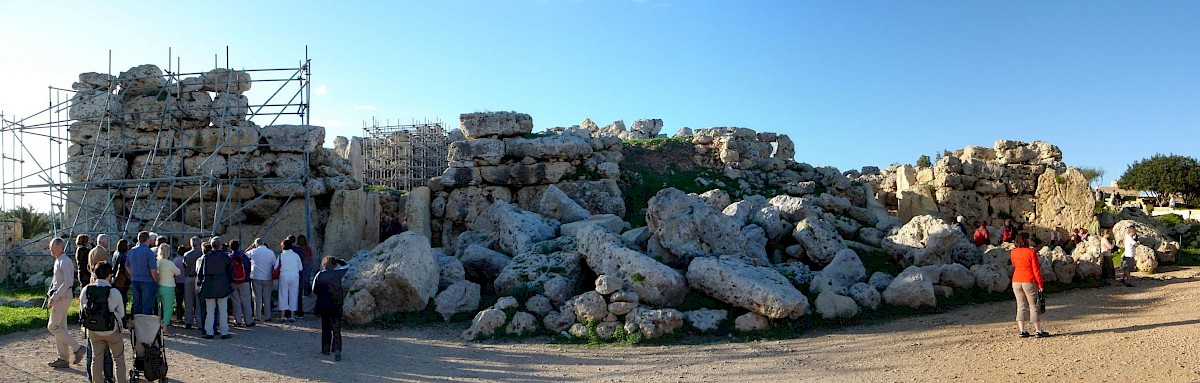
(1148,333)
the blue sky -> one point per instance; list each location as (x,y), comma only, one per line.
(853,83)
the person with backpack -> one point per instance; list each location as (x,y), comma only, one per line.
(327,286)
(214,280)
(59,300)
(241,297)
(166,283)
(100,311)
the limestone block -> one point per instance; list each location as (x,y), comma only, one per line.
(549,148)
(758,289)
(495,124)
(654,282)
(910,289)
(141,80)
(161,165)
(293,138)
(205,165)
(226,81)
(153,209)
(96,106)
(416,210)
(229,108)
(751,322)
(85,167)
(229,139)
(483,151)
(460,297)
(398,275)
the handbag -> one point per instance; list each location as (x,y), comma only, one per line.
(275,271)
(1040,301)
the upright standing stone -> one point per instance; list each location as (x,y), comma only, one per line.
(417,211)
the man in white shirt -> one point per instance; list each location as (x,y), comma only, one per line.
(59,299)
(1127,260)
(262,263)
(111,339)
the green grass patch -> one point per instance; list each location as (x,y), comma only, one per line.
(383,189)
(1188,257)
(1171,220)
(16,319)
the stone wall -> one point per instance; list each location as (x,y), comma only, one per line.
(207,168)
(500,159)
(1025,182)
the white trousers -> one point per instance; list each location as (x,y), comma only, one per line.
(289,289)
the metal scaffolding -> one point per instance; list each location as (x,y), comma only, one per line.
(80,163)
(403,156)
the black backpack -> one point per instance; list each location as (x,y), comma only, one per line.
(95,315)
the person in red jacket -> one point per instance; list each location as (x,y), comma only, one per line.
(1008,232)
(1026,284)
(982,237)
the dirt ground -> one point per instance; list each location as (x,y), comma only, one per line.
(1147,333)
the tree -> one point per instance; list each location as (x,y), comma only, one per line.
(923,162)
(1092,174)
(32,222)
(1165,175)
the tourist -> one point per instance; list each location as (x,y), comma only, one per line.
(386,227)
(1026,284)
(241,299)
(143,271)
(1056,238)
(982,236)
(81,259)
(306,273)
(262,264)
(120,272)
(109,341)
(167,271)
(191,302)
(214,277)
(327,286)
(962,227)
(1107,272)
(289,280)
(180,280)
(1008,232)
(1127,260)
(98,253)
(59,299)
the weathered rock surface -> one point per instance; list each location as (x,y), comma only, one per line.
(830,305)
(656,323)
(557,205)
(820,240)
(513,229)
(926,240)
(460,297)
(684,226)
(655,283)
(910,289)
(706,320)
(751,322)
(758,289)
(398,275)
(485,324)
(495,124)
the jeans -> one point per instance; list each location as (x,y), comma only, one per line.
(331,333)
(107,364)
(221,316)
(166,295)
(145,297)
(191,302)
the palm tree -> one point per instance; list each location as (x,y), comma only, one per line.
(32,222)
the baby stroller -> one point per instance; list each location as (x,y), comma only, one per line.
(149,353)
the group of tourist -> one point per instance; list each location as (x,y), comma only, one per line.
(196,284)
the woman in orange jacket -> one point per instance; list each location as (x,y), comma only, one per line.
(1026,284)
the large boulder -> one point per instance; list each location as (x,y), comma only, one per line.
(398,275)
(684,226)
(293,138)
(833,306)
(759,289)
(910,289)
(1089,257)
(551,268)
(557,205)
(1063,199)
(610,222)
(991,278)
(655,323)
(495,124)
(655,283)
(956,276)
(845,270)
(460,297)
(485,324)
(1150,234)
(590,306)
(926,240)
(820,240)
(1145,259)
(482,264)
(513,229)
(705,319)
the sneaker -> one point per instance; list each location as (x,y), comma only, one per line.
(337,357)
(226,336)
(1042,334)
(1023,334)
(59,363)
(206,336)
(79,354)
(250,325)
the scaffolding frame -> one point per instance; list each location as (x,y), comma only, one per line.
(403,156)
(26,174)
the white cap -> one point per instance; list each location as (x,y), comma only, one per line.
(960,218)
